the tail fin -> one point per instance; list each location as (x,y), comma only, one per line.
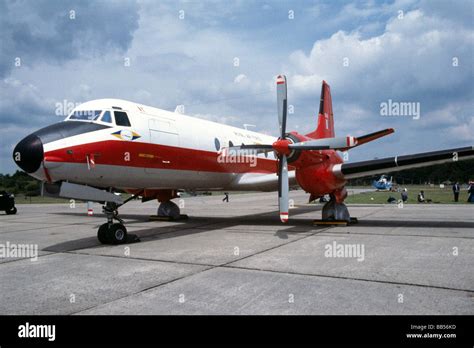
(325,128)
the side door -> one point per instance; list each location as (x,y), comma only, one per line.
(164,138)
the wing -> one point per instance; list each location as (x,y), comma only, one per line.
(397,163)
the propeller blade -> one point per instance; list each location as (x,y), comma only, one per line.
(282,104)
(255,146)
(325,144)
(251,149)
(283,188)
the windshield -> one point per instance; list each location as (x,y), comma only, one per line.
(85,115)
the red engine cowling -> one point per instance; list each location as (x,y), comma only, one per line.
(319,180)
(314,171)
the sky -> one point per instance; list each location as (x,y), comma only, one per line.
(220,58)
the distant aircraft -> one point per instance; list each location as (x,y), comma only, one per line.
(383,183)
(111,145)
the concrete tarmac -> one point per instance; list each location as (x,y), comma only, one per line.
(237,258)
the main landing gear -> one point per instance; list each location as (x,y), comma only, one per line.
(334,213)
(168,211)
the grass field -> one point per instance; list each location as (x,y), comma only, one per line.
(436,194)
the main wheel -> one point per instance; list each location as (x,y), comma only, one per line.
(169,209)
(102,233)
(116,234)
(11,211)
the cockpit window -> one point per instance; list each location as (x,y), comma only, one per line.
(85,115)
(121,119)
(106,117)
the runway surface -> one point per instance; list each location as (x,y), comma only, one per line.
(237,258)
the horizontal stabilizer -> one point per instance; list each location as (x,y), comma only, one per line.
(325,144)
(372,136)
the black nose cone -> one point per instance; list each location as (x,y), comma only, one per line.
(28,153)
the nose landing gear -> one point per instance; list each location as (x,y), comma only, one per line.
(110,232)
(115,233)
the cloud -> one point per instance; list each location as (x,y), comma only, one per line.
(390,62)
(410,61)
(23,103)
(463,131)
(58,31)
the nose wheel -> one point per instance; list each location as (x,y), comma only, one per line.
(115,233)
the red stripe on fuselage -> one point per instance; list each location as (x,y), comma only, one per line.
(127,153)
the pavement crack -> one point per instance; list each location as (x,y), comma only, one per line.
(348,278)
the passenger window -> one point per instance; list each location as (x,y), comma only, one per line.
(121,119)
(106,117)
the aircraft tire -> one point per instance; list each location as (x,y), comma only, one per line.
(169,209)
(116,234)
(11,211)
(102,233)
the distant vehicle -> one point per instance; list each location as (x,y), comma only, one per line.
(383,183)
(7,202)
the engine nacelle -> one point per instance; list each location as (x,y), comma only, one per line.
(319,179)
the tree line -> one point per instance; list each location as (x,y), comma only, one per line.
(20,183)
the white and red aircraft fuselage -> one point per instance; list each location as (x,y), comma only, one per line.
(110,144)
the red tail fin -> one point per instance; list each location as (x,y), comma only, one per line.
(325,128)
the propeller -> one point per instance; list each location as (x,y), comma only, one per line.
(283,147)
(339,143)
(283,185)
(282,104)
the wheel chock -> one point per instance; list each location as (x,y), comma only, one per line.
(319,222)
(329,222)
